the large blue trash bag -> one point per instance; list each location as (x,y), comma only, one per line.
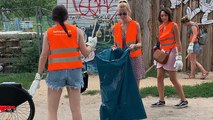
(119,91)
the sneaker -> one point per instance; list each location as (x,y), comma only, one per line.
(182,104)
(159,104)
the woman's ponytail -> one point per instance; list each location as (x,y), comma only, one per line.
(60,15)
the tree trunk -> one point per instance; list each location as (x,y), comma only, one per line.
(141,12)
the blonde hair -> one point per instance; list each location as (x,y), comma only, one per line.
(185,19)
(124,5)
(123,1)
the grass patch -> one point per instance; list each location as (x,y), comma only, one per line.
(202,90)
(91,92)
(24,78)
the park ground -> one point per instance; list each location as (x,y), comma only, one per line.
(199,108)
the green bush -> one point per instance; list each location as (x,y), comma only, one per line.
(28,61)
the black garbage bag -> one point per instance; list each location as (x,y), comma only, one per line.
(119,91)
(85,77)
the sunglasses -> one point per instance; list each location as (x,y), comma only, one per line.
(120,14)
(123,1)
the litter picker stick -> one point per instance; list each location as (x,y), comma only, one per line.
(149,69)
(187,56)
(34,86)
(93,31)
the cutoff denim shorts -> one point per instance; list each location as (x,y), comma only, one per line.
(71,78)
(196,48)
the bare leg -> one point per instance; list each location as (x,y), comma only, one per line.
(138,83)
(178,87)
(74,99)
(200,67)
(53,102)
(195,64)
(160,83)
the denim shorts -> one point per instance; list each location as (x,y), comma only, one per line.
(196,48)
(71,78)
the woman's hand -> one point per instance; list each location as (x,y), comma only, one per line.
(133,46)
(114,47)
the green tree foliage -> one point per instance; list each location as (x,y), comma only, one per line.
(24,8)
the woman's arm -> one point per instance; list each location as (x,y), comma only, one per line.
(112,30)
(85,50)
(177,37)
(194,32)
(138,39)
(44,54)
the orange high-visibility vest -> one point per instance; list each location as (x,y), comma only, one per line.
(64,50)
(166,37)
(131,36)
(191,34)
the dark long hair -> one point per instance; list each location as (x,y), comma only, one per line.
(60,14)
(168,12)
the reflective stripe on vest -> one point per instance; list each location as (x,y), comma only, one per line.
(58,51)
(71,59)
(131,36)
(64,51)
(168,44)
(166,37)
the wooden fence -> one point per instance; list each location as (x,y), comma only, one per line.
(146,13)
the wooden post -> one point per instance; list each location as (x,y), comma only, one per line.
(211,39)
(184,39)
(142,14)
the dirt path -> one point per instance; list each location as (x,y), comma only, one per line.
(199,108)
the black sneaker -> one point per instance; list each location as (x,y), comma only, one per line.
(158,104)
(182,104)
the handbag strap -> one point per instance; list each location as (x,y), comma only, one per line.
(170,50)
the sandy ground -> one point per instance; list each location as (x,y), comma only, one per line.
(199,108)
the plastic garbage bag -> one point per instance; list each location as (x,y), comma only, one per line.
(119,91)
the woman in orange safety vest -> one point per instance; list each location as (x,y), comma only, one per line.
(62,45)
(169,39)
(193,48)
(127,33)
